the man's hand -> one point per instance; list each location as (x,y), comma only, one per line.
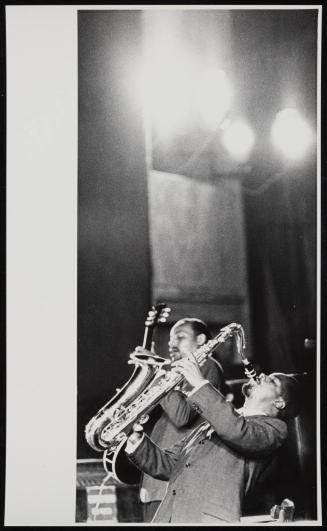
(136,434)
(134,438)
(190,369)
(141,350)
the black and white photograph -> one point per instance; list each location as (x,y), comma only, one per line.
(163,225)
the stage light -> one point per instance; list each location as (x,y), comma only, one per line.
(291,134)
(165,83)
(214,97)
(238,138)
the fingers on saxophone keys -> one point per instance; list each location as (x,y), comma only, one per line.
(191,357)
(184,362)
(137,427)
(178,363)
(176,366)
(181,364)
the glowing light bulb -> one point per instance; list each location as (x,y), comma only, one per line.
(291,134)
(238,139)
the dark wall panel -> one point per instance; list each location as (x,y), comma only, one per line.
(113,250)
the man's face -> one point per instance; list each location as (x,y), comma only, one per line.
(266,390)
(182,341)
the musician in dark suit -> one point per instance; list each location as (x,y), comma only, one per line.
(178,417)
(212,469)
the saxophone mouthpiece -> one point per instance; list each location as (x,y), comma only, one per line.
(250,371)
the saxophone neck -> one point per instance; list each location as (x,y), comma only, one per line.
(225,333)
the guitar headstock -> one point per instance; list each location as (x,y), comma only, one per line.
(157,314)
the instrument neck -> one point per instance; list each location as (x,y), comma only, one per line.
(147,339)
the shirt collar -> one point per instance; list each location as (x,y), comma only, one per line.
(249,412)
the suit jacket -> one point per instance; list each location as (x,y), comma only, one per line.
(209,477)
(177,419)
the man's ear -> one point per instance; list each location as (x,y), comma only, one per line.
(201,339)
(280,403)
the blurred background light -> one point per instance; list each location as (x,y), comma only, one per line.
(166,85)
(291,134)
(214,97)
(238,138)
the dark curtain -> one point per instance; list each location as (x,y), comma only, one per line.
(282,244)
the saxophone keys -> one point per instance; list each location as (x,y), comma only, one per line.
(143,419)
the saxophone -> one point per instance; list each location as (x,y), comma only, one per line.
(145,368)
(109,429)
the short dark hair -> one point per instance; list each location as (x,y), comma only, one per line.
(198,326)
(291,394)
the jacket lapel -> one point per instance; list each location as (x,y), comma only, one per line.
(196,436)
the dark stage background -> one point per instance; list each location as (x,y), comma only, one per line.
(113,242)
(269,244)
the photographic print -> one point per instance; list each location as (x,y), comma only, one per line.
(163,244)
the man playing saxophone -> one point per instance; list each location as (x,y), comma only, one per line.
(178,417)
(212,468)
